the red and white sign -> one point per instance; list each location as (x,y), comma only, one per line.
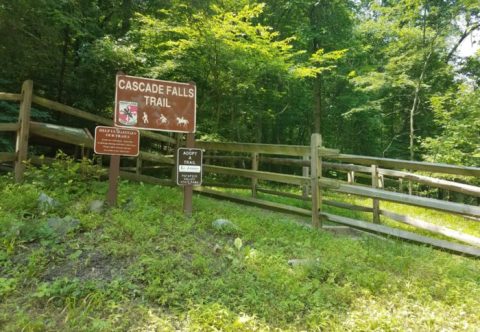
(116,141)
(150,104)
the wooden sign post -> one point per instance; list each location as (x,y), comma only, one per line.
(115,142)
(113,174)
(189,171)
(188,189)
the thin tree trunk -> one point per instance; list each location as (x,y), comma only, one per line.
(259,133)
(412,115)
(416,99)
(317,84)
(126,15)
(317,112)
(216,92)
(63,65)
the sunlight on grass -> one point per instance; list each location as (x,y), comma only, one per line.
(145,267)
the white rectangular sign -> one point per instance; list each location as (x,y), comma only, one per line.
(189,168)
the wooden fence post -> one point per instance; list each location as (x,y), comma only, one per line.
(305,173)
(21,146)
(351,177)
(254,179)
(375,202)
(174,168)
(138,169)
(316,173)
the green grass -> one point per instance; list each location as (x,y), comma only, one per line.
(145,267)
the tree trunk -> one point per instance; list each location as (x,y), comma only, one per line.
(63,65)
(317,84)
(259,133)
(317,111)
(412,119)
(413,110)
(126,15)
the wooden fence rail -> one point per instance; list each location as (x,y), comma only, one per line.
(434,182)
(7,157)
(271,149)
(411,165)
(341,187)
(268,176)
(10,96)
(431,203)
(9,126)
(428,180)
(330,154)
(310,158)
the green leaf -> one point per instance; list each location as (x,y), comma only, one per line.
(238,243)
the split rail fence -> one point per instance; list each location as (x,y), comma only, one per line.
(244,160)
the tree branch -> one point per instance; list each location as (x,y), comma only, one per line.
(464,35)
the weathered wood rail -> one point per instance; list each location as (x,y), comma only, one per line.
(364,171)
(309,161)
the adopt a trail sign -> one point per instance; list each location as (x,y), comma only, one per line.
(189,166)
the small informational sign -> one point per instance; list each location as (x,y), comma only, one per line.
(189,171)
(116,141)
(150,104)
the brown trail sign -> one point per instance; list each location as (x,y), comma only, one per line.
(115,142)
(150,104)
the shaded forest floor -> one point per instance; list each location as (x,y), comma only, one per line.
(66,265)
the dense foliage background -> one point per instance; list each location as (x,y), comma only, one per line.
(374,77)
